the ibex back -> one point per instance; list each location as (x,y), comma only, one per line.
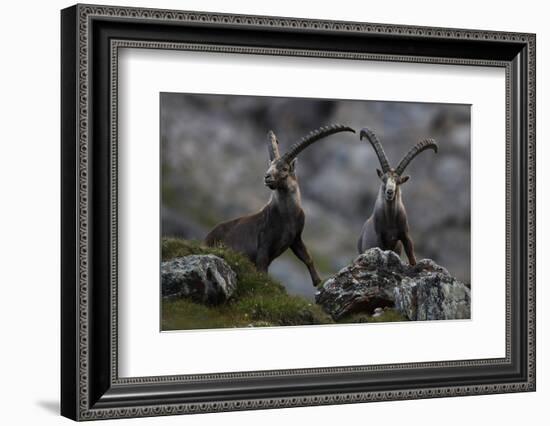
(388,227)
(265,235)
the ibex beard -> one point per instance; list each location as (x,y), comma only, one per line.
(388,227)
(265,235)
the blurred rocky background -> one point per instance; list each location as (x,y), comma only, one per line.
(214,156)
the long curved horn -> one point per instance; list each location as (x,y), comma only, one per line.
(314,136)
(272,146)
(414,151)
(369,134)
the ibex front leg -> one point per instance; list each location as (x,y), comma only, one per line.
(300,250)
(409,248)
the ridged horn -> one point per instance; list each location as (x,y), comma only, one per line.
(414,151)
(371,137)
(272,146)
(314,136)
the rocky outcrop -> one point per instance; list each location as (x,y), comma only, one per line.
(204,279)
(379,278)
(436,297)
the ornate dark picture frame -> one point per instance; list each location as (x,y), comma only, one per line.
(90,385)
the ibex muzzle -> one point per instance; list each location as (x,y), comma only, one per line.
(267,234)
(387,227)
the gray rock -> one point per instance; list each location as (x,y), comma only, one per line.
(434,296)
(362,286)
(378,312)
(202,278)
(376,279)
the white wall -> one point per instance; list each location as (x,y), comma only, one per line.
(29,225)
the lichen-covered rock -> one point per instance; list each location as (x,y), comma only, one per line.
(379,278)
(433,297)
(378,312)
(204,279)
(362,286)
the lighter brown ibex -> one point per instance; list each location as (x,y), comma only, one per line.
(387,227)
(265,235)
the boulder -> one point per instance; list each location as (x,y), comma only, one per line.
(377,279)
(433,297)
(204,279)
(378,312)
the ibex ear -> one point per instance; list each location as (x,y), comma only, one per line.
(403,179)
(293,166)
(379,172)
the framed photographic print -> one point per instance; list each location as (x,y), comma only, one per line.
(263,212)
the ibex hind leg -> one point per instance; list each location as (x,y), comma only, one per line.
(360,244)
(398,248)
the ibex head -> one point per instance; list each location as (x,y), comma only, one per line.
(282,170)
(391,178)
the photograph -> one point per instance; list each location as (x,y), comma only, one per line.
(284,211)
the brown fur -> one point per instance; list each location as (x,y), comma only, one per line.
(265,235)
(388,227)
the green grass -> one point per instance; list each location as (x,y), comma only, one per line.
(258,301)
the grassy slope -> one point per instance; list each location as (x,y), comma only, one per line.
(259,300)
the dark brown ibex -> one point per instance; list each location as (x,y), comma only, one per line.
(265,235)
(387,227)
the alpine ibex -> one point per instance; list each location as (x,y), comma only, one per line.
(387,227)
(265,235)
